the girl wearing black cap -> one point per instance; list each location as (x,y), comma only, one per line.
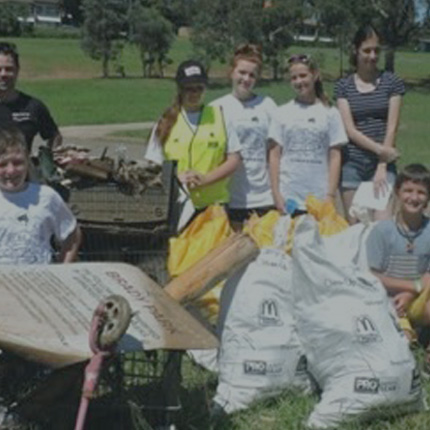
(196,136)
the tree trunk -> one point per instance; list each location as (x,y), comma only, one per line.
(143,61)
(389,59)
(105,66)
(275,69)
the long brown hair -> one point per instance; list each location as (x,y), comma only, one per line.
(168,119)
(311,64)
(249,52)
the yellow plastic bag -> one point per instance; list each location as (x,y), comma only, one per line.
(417,308)
(329,221)
(261,228)
(205,232)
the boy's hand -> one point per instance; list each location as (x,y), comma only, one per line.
(402,301)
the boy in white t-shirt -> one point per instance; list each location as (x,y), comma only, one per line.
(31,214)
(306,136)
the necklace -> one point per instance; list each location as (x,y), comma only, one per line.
(409,235)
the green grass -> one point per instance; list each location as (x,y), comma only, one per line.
(43,58)
(49,66)
(55,58)
(286,412)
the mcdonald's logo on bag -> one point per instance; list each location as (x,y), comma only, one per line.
(366,330)
(269,314)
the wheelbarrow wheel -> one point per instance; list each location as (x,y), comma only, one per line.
(117,317)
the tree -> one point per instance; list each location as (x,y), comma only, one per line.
(219,26)
(178,12)
(396,20)
(397,23)
(104,22)
(153,34)
(9,23)
(210,36)
(278,25)
(340,19)
(73,9)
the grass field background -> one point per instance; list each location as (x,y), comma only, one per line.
(57,71)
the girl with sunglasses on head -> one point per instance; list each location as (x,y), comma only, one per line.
(369,101)
(196,136)
(306,135)
(251,115)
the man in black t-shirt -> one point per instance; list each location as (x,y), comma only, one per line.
(30,115)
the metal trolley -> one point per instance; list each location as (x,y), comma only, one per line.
(134,228)
(138,390)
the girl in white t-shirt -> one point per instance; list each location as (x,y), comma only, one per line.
(305,137)
(250,114)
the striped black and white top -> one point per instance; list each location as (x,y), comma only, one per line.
(369,110)
(390,252)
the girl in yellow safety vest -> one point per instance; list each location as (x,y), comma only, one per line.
(197,136)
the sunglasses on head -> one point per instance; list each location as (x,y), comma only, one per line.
(299,58)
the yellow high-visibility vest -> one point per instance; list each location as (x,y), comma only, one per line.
(202,151)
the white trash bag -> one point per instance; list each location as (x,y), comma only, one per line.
(356,351)
(260,354)
(349,245)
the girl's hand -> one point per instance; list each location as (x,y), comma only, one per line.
(388,154)
(330,198)
(195,179)
(401,303)
(279,203)
(183,177)
(380,184)
(190,178)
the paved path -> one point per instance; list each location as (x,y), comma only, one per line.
(100,131)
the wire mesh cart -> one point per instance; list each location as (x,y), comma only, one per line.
(134,228)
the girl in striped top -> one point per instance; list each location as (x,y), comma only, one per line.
(369,102)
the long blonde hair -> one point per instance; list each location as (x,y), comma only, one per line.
(168,119)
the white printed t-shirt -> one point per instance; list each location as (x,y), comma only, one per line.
(305,133)
(154,151)
(28,221)
(250,184)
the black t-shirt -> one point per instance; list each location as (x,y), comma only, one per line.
(32,117)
